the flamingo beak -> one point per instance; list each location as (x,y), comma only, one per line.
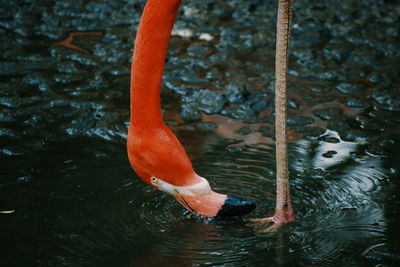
(215,204)
(200,198)
(235,206)
(182,201)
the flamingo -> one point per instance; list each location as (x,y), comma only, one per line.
(154,151)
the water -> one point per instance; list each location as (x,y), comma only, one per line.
(73,199)
(87,210)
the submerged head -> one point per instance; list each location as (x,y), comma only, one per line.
(200,198)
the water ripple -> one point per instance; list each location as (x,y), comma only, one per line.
(335,206)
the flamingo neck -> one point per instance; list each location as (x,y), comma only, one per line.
(148,62)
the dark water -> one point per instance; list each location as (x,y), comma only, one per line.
(73,199)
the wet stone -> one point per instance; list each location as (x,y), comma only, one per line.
(389,100)
(192,79)
(335,51)
(238,112)
(293,104)
(322,90)
(261,105)
(355,103)
(237,94)
(24,179)
(5,132)
(98,81)
(38,79)
(171,123)
(368,123)
(80,58)
(311,131)
(6,116)
(352,135)
(267,131)
(346,88)
(299,120)
(199,50)
(14,102)
(210,101)
(119,71)
(188,112)
(265,119)
(373,77)
(328,114)
(254,97)
(302,55)
(244,131)
(68,67)
(206,126)
(362,56)
(382,115)
(67,78)
(8,68)
(312,100)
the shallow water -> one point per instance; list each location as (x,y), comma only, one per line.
(73,199)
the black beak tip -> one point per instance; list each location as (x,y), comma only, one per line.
(235,206)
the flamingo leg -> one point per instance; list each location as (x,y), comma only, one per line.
(284,212)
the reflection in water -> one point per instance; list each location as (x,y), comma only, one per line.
(327,152)
(348,205)
(67,43)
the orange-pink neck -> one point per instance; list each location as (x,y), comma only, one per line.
(148,61)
